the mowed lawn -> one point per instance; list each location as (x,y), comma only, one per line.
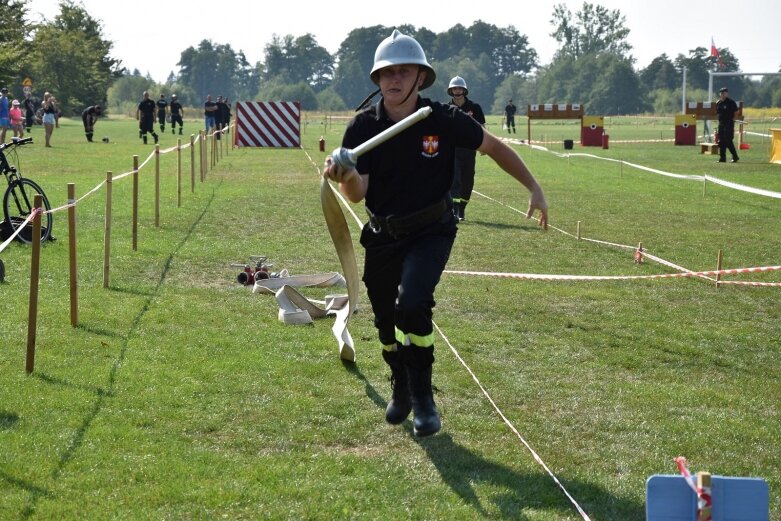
(179,395)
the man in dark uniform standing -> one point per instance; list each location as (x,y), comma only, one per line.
(406,183)
(464,179)
(89,117)
(162,112)
(145,114)
(29,109)
(726,108)
(509,116)
(177,112)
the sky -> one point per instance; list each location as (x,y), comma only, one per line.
(150,36)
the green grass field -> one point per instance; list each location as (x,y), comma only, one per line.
(181,396)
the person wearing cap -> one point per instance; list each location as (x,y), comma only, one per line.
(726,108)
(464,177)
(405,183)
(509,116)
(5,113)
(177,112)
(17,118)
(89,117)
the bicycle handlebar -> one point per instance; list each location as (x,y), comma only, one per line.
(16,142)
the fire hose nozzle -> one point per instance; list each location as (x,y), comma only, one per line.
(344,157)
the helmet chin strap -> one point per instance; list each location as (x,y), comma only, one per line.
(417,77)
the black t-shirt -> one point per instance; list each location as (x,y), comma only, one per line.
(726,110)
(509,110)
(209,108)
(89,111)
(176,107)
(471,109)
(414,169)
(147,108)
(161,105)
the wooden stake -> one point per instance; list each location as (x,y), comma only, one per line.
(578,230)
(35,274)
(135,204)
(192,164)
(157,186)
(74,282)
(704,507)
(704,184)
(107,233)
(718,268)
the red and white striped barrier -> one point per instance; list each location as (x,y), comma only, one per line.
(275,124)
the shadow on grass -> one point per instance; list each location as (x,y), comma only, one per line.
(53,380)
(461,469)
(100,393)
(529,226)
(8,419)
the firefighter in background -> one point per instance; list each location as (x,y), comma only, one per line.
(509,116)
(89,117)
(406,183)
(464,178)
(162,112)
(177,112)
(145,114)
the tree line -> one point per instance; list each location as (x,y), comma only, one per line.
(593,65)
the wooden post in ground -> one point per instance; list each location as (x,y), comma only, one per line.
(107,233)
(704,505)
(578,230)
(135,203)
(73,271)
(178,172)
(192,163)
(201,136)
(718,268)
(157,186)
(35,274)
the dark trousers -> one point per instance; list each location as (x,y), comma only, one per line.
(401,275)
(726,134)
(464,178)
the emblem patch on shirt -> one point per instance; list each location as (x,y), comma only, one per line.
(430,146)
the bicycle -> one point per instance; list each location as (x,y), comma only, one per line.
(19,197)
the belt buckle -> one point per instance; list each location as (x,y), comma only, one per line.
(374,225)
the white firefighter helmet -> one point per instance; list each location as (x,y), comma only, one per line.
(399,49)
(457,81)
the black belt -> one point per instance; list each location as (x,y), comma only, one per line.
(399,226)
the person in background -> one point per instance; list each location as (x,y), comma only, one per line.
(162,112)
(726,108)
(145,114)
(17,119)
(89,117)
(406,182)
(464,178)
(177,113)
(29,109)
(5,113)
(220,117)
(49,107)
(209,110)
(509,116)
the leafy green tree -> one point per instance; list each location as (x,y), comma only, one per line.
(282,91)
(355,59)
(522,90)
(14,32)
(214,69)
(660,74)
(299,59)
(329,100)
(70,58)
(594,29)
(699,62)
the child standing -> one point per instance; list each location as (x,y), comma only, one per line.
(17,118)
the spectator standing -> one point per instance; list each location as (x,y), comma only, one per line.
(5,113)
(726,108)
(49,107)
(209,109)
(17,119)
(29,109)
(509,116)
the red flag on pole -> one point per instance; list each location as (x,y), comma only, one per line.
(714,52)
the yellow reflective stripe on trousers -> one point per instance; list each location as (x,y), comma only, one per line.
(392,348)
(411,338)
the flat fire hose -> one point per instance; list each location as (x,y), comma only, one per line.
(340,235)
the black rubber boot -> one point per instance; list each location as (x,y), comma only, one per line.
(89,136)
(154,136)
(462,211)
(145,139)
(399,406)
(418,361)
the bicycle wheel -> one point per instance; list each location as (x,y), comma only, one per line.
(18,204)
